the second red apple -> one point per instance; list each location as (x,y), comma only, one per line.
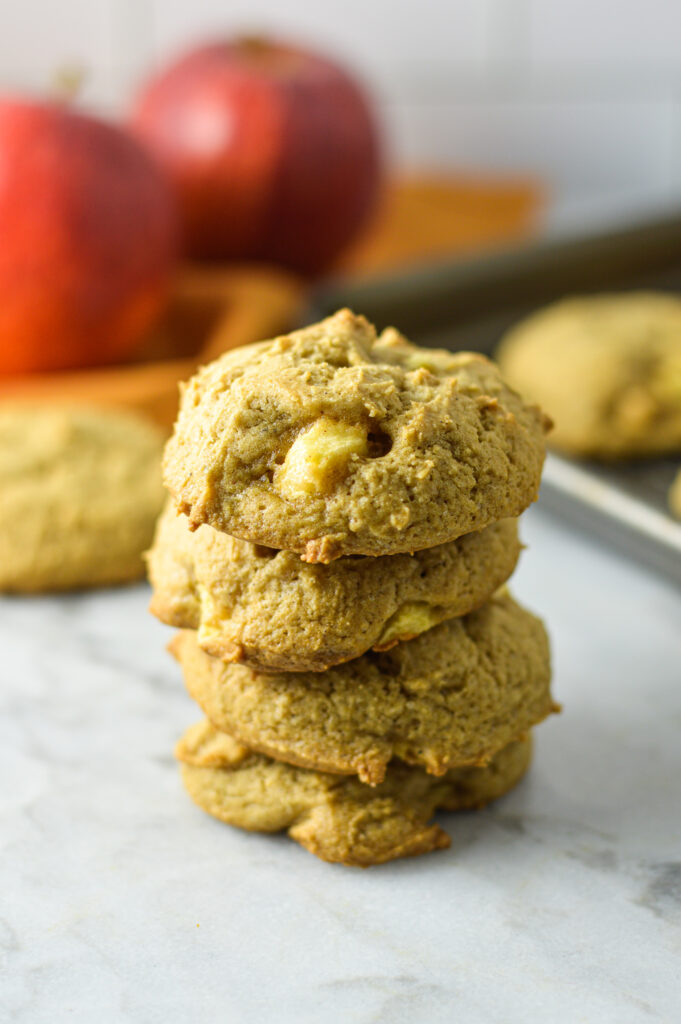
(273,151)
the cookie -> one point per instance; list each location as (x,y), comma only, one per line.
(272,611)
(453,696)
(80,490)
(335,817)
(607,368)
(331,441)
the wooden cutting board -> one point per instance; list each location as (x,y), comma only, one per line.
(424,219)
(212,309)
(215,308)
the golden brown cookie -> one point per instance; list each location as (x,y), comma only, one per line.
(453,696)
(331,441)
(80,490)
(338,818)
(271,611)
(607,368)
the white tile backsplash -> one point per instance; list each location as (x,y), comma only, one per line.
(108,40)
(578,148)
(366,33)
(585,93)
(37,39)
(629,32)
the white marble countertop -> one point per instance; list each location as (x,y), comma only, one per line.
(120,901)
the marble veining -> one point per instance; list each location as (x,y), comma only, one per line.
(121,902)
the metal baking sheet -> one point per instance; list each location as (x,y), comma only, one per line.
(469,304)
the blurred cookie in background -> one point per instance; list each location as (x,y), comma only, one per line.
(80,490)
(606,368)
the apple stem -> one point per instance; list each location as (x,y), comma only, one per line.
(68,81)
(253,46)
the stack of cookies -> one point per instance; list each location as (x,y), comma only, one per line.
(342,523)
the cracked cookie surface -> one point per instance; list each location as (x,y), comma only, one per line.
(272,611)
(606,368)
(332,441)
(80,490)
(335,817)
(453,696)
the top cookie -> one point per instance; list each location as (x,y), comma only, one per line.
(80,490)
(607,367)
(331,441)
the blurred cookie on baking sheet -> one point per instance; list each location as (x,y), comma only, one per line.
(606,368)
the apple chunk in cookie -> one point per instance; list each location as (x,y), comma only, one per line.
(319,456)
(410,619)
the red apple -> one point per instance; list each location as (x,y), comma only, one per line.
(88,228)
(273,151)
